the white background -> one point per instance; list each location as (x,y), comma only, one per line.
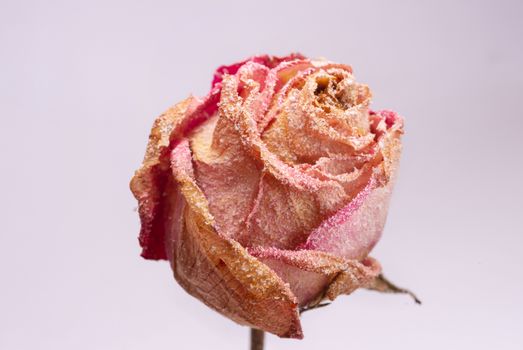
(80,85)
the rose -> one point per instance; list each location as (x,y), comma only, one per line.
(267,195)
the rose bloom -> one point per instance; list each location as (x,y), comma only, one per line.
(267,195)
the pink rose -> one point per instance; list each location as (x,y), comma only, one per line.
(268,194)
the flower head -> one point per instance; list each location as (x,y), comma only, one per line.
(268,194)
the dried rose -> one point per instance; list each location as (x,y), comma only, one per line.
(267,195)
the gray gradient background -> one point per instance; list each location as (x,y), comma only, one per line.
(80,84)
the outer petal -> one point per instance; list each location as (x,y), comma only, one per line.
(314,275)
(149,182)
(220,272)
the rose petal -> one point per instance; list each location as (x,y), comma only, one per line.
(220,272)
(225,173)
(266,60)
(314,275)
(282,216)
(356,228)
(148,183)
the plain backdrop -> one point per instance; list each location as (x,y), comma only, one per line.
(82,81)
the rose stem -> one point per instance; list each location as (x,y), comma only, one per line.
(257,337)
